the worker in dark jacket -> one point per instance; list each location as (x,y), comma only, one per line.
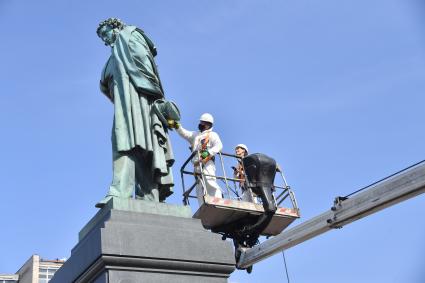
(241,151)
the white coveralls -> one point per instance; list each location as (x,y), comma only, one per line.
(214,146)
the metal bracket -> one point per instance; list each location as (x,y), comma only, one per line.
(337,204)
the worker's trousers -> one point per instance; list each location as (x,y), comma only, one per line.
(207,184)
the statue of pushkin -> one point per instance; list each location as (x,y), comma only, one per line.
(142,154)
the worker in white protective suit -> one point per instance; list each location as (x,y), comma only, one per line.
(207,144)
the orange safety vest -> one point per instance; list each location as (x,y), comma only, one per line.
(240,174)
(204,144)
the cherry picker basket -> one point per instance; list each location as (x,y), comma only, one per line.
(218,214)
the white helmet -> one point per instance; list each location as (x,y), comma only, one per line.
(241,145)
(207,117)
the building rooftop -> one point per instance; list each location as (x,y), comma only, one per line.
(34,270)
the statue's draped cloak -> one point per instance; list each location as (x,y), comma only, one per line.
(130,79)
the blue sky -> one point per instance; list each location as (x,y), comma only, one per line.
(334,90)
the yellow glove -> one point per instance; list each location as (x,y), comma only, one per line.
(172,124)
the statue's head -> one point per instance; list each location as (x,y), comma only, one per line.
(109,29)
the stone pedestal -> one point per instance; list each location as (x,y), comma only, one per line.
(123,243)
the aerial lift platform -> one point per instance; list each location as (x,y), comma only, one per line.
(221,214)
(216,212)
(272,206)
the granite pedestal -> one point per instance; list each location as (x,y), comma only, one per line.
(133,241)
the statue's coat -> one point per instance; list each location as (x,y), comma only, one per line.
(131,80)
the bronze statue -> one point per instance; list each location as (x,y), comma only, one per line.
(142,154)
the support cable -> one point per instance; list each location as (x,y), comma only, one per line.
(383,179)
(286,267)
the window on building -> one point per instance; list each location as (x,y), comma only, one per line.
(46,273)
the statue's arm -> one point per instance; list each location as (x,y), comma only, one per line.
(145,76)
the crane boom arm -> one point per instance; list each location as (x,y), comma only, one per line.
(396,189)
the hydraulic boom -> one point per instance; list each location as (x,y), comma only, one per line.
(395,189)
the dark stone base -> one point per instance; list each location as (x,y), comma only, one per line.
(135,247)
